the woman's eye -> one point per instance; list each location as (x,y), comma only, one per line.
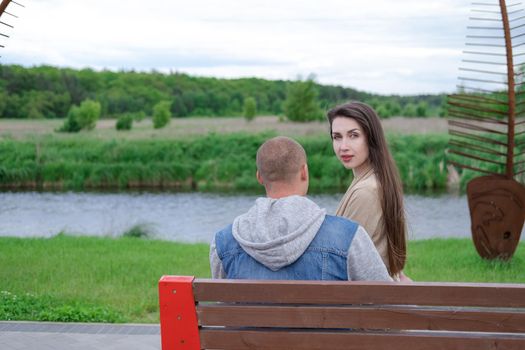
(336,137)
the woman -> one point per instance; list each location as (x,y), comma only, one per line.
(375,196)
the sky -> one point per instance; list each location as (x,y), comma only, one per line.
(382,46)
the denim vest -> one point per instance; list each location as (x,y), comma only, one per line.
(324,259)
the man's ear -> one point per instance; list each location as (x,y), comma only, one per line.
(304,172)
(259,177)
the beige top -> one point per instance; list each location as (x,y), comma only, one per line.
(361,204)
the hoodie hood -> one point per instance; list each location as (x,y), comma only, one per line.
(276,232)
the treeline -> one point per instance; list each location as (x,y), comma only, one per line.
(213,162)
(50,92)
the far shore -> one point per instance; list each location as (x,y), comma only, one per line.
(195,126)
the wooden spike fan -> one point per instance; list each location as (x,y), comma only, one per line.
(486,126)
(3,12)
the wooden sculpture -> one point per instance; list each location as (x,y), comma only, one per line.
(3,6)
(486,126)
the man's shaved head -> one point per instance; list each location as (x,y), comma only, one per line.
(280,159)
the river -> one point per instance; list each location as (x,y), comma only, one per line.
(188,217)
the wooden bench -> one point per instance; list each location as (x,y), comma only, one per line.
(249,314)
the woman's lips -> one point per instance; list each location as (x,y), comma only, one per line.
(346,158)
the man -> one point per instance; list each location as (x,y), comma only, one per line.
(287,236)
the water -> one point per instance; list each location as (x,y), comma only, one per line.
(188,217)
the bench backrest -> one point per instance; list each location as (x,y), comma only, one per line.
(248,314)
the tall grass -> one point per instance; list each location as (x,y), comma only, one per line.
(204,163)
(69,278)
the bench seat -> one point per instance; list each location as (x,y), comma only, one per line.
(257,314)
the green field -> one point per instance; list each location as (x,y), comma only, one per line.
(84,279)
(183,128)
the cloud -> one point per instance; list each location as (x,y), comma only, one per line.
(384,46)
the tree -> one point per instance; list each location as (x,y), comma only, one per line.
(81,117)
(178,108)
(124,122)
(421,109)
(250,108)
(394,108)
(88,114)
(383,111)
(161,114)
(277,106)
(301,101)
(409,110)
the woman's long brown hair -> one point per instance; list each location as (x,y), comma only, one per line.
(391,189)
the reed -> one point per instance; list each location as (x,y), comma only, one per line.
(212,162)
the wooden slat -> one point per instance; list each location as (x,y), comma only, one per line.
(286,340)
(475,137)
(473,127)
(476,107)
(469,116)
(475,147)
(322,292)
(477,98)
(3,6)
(376,317)
(473,156)
(465,166)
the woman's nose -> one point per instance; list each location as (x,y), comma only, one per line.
(345,144)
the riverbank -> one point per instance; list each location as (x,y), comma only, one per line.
(88,279)
(206,163)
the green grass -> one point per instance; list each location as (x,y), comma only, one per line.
(68,278)
(119,275)
(456,260)
(211,162)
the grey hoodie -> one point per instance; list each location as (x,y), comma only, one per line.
(276,232)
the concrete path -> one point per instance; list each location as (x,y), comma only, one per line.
(78,336)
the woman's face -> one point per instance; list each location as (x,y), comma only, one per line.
(350,143)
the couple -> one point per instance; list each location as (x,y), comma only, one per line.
(287,236)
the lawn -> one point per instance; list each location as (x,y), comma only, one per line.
(83,279)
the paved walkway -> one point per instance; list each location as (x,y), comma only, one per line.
(78,336)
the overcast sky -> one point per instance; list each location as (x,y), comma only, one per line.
(381,46)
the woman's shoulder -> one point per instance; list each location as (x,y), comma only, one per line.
(368,184)
(361,196)
(365,195)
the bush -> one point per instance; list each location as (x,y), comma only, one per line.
(301,102)
(250,108)
(70,125)
(81,117)
(29,307)
(161,114)
(139,231)
(124,122)
(138,116)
